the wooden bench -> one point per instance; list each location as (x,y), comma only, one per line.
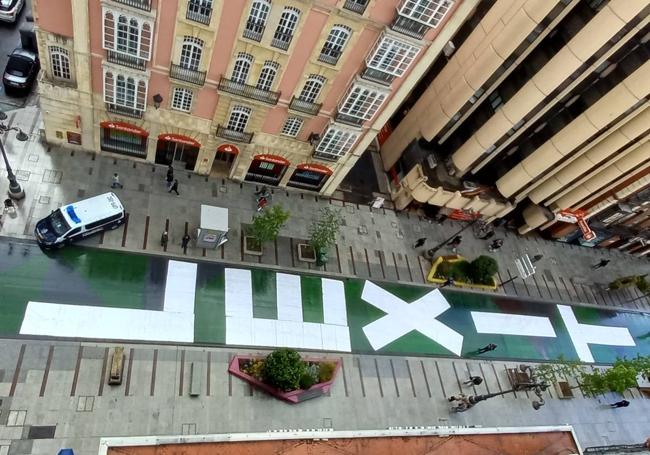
(117,366)
(196,377)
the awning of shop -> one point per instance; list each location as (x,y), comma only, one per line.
(272,159)
(125,128)
(179,138)
(315,168)
(228,148)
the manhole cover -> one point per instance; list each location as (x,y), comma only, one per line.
(41,432)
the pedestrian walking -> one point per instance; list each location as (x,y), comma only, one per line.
(537,258)
(448,282)
(495,245)
(474,380)
(116,182)
(185,241)
(455,242)
(602,263)
(174,187)
(440,218)
(261,203)
(164,238)
(620,404)
(263,193)
(489,347)
(419,242)
(170,177)
(463,402)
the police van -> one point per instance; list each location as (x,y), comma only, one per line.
(79,220)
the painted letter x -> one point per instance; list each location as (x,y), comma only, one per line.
(402,317)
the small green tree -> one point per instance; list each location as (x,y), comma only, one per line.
(324,230)
(266,227)
(620,377)
(561,369)
(482,270)
(283,369)
(628,281)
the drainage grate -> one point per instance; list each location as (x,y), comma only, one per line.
(51,176)
(41,432)
(23,176)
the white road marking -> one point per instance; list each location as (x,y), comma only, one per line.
(512,324)
(180,287)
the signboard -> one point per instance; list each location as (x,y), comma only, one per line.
(587,233)
(272,159)
(179,138)
(124,127)
(228,148)
(315,168)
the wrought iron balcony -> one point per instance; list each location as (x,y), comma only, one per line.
(198,13)
(281,40)
(248,91)
(254,30)
(409,27)
(358,6)
(330,56)
(378,76)
(325,156)
(124,110)
(130,61)
(348,119)
(232,135)
(305,107)
(187,74)
(144,5)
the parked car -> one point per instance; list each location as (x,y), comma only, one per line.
(21,70)
(10,10)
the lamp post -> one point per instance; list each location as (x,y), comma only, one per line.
(537,388)
(15,190)
(432,251)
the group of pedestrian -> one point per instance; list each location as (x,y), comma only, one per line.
(185,240)
(263,196)
(172,183)
(463,402)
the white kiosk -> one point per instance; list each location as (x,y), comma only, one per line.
(213,230)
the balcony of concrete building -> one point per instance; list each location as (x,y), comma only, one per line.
(254,30)
(248,91)
(303,106)
(144,5)
(377,76)
(281,40)
(234,135)
(199,11)
(124,110)
(185,74)
(409,27)
(356,6)
(348,119)
(127,60)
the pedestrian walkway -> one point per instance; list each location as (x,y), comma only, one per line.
(375,244)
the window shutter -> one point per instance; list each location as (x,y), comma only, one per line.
(109,31)
(109,88)
(141,100)
(145,41)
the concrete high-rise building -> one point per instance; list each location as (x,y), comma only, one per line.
(281,92)
(540,114)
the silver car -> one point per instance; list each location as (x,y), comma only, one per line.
(10,10)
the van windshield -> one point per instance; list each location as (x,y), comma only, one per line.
(59,225)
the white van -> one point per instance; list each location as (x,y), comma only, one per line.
(79,220)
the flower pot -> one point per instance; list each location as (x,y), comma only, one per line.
(252,246)
(306,253)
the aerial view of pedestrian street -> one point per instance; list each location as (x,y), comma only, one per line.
(324,226)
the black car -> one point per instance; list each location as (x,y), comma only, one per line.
(21,71)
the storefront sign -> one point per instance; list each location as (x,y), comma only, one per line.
(74,138)
(272,159)
(124,127)
(228,148)
(315,168)
(569,216)
(587,233)
(179,138)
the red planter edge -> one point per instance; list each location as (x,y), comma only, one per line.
(292,397)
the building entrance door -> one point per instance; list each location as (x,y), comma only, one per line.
(177,150)
(224,158)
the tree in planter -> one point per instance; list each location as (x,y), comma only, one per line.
(482,270)
(283,369)
(266,227)
(323,232)
(550,372)
(628,281)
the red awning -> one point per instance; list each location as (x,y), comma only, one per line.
(272,159)
(125,127)
(315,168)
(228,148)
(179,138)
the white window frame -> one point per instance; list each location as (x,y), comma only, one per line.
(292,126)
(132,34)
(312,88)
(182,99)
(267,75)
(191,53)
(288,22)
(259,13)
(391,55)
(60,63)
(112,98)
(337,141)
(362,101)
(336,40)
(242,68)
(427,12)
(238,118)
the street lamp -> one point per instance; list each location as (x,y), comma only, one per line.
(432,251)
(15,190)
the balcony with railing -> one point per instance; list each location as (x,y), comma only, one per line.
(303,106)
(144,5)
(281,40)
(378,76)
(254,30)
(124,110)
(130,61)
(233,135)
(348,119)
(248,91)
(329,56)
(409,27)
(357,6)
(325,156)
(198,12)
(187,74)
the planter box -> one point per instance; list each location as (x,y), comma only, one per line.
(460,284)
(251,248)
(563,389)
(293,397)
(306,253)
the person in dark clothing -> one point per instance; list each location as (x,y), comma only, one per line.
(455,242)
(474,380)
(164,238)
(174,187)
(185,241)
(419,242)
(170,177)
(620,404)
(489,347)
(448,282)
(602,263)
(495,245)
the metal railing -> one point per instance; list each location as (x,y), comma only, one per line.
(356,6)
(140,4)
(377,76)
(187,74)
(125,148)
(330,56)
(248,91)
(281,40)
(232,135)
(198,13)
(409,27)
(348,119)
(325,156)
(130,61)
(304,106)
(124,110)
(254,30)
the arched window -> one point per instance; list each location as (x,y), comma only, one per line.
(125,91)
(242,68)
(191,53)
(312,88)
(60,62)
(267,75)
(127,34)
(258,14)
(109,30)
(239,118)
(333,47)
(287,24)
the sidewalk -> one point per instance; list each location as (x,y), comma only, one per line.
(374,244)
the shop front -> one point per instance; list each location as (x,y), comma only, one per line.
(267,169)
(123,138)
(223,159)
(309,176)
(177,150)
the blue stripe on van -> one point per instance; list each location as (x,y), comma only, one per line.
(72,214)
